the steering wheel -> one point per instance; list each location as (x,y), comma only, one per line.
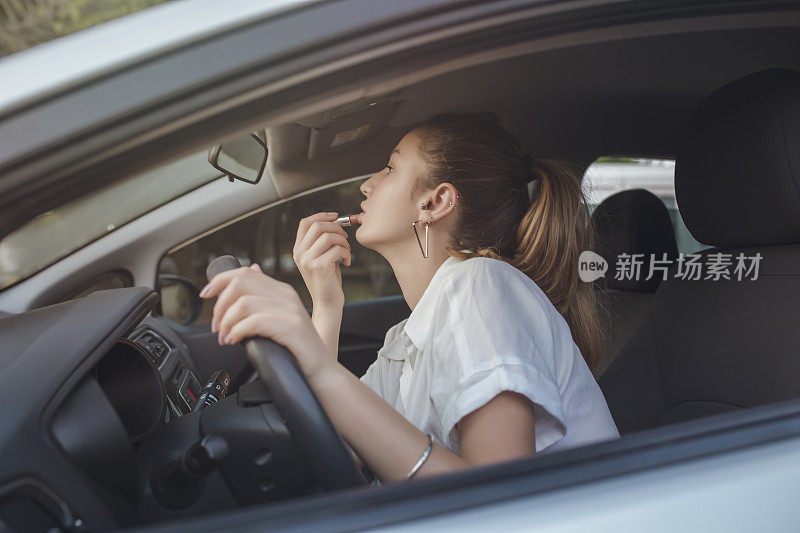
(319,443)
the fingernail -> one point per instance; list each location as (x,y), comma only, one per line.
(214,325)
(228,339)
(205,291)
(219,339)
(332,214)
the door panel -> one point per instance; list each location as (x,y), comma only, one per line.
(364,327)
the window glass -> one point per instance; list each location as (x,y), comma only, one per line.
(610,175)
(55,234)
(267,237)
(116,279)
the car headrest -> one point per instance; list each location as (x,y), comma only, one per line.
(634,221)
(737,171)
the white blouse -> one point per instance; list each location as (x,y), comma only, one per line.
(480,328)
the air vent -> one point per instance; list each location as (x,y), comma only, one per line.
(154,344)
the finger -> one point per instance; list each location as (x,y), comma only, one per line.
(219,282)
(247,281)
(325,242)
(225,299)
(243,307)
(252,326)
(316,230)
(306,222)
(332,255)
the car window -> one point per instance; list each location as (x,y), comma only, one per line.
(610,175)
(55,234)
(115,279)
(267,237)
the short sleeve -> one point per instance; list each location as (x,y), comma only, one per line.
(492,333)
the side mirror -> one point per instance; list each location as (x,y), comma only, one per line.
(179,300)
(241,159)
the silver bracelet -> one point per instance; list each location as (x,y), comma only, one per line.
(422,458)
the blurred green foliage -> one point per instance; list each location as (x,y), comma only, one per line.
(616,159)
(26,23)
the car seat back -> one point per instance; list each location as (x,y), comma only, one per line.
(711,345)
(633,222)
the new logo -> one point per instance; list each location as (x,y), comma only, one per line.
(591,266)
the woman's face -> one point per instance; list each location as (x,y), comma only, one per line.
(388,208)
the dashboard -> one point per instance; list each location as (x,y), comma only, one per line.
(100,429)
(172,360)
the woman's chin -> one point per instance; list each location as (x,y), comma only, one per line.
(362,237)
(358,235)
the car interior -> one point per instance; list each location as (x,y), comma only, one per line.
(714,345)
(111,434)
(630,222)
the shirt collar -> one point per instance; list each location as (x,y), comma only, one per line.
(395,344)
(419,321)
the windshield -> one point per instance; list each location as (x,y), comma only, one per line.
(57,233)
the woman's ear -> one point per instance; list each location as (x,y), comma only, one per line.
(442,203)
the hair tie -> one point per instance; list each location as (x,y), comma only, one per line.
(527,167)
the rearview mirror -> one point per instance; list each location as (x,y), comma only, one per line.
(241,159)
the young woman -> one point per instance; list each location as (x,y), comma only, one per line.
(494,361)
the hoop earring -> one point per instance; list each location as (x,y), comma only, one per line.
(427,225)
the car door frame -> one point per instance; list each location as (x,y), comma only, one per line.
(698,451)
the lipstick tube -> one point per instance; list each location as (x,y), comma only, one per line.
(348,220)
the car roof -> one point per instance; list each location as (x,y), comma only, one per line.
(76,58)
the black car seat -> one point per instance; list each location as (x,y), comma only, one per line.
(709,346)
(630,222)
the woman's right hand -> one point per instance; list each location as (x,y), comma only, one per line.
(319,244)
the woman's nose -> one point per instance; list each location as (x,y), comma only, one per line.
(366,187)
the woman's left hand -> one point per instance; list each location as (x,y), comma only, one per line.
(252,304)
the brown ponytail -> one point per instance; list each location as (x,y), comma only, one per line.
(542,238)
